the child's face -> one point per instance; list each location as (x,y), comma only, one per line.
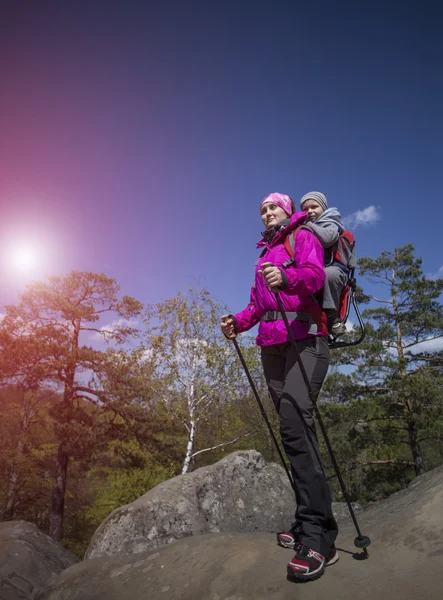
(313,209)
(271,214)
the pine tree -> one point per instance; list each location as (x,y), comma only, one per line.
(43,337)
(395,395)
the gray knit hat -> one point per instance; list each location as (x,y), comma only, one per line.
(318,197)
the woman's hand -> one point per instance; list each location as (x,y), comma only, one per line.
(227,325)
(272,275)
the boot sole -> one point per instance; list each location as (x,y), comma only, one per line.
(292,576)
(332,560)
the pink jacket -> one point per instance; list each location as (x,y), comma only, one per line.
(305,276)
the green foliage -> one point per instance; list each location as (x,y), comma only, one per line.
(119,475)
(40,341)
(129,419)
(27,446)
(125,474)
(392,399)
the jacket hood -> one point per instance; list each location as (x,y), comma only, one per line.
(331,215)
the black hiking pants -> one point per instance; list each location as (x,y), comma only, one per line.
(297,429)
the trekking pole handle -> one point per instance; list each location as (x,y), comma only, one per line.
(264,265)
(224,319)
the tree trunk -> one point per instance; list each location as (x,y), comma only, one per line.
(58,495)
(189,447)
(192,425)
(11,498)
(61,473)
(14,478)
(400,353)
(419,465)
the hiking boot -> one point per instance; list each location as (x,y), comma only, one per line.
(337,329)
(290,538)
(308,565)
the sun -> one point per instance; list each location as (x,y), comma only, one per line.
(24,257)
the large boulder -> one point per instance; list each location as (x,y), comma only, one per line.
(28,559)
(240,493)
(405,562)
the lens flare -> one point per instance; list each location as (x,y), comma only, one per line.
(24,258)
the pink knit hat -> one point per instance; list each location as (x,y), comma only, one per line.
(281,200)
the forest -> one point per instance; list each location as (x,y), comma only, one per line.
(102,397)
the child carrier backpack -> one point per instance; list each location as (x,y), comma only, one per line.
(343,252)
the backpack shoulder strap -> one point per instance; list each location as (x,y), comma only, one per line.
(290,241)
(318,317)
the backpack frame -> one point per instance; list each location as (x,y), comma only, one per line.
(344,253)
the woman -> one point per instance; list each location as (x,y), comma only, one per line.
(315,530)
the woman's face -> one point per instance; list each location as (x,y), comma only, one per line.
(271,214)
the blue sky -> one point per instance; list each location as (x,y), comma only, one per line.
(137,139)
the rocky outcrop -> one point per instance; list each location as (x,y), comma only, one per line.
(28,560)
(240,493)
(405,562)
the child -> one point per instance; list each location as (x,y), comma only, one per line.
(326,224)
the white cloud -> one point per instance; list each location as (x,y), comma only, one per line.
(367,216)
(108,330)
(435,345)
(349,325)
(437,275)
(431,345)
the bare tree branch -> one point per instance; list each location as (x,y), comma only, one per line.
(224,443)
(383,301)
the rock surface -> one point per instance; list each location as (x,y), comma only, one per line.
(241,493)
(28,559)
(341,510)
(405,562)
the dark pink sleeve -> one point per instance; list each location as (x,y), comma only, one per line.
(306,275)
(247,318)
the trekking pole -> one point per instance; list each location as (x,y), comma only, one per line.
(262,409)
(361,541)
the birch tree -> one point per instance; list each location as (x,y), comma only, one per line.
(197,369)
